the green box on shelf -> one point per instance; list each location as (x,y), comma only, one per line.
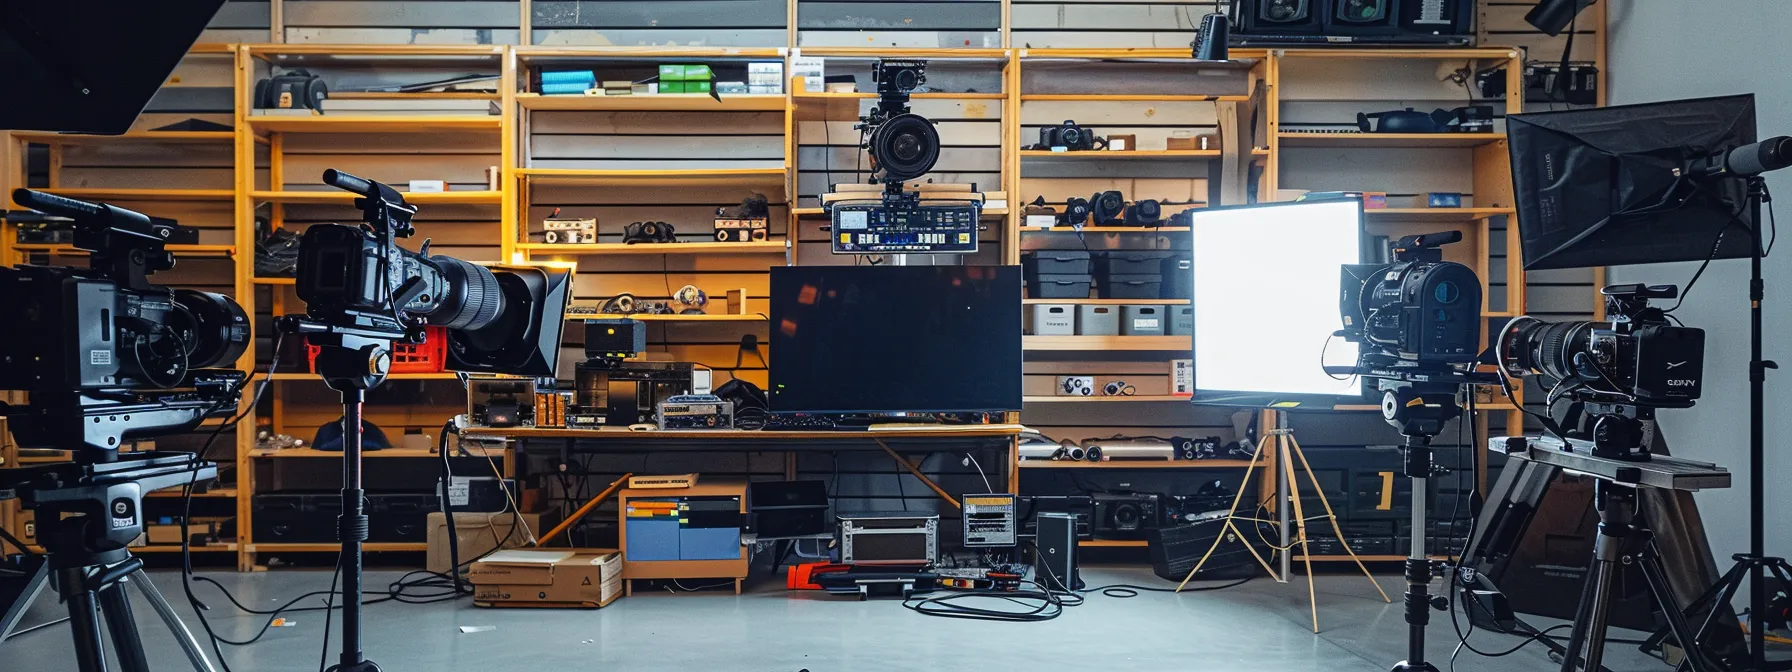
(685,73)
(697,87)
(671,87)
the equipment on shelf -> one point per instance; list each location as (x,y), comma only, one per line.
(1175,550)
(1620,373)
(788,509)
(1076,211)
(1132,449)
(694,411)
(295,89)
(618,394)
(1054,552)
(648,232)
(1118,388)
(903,146)
(568,231)
(1468,119)
(990,521)
(1069,136)
(1144,212)
(748,222)
(1124,515)
(1420,311)
(614,339)
(848,342)
(690,299)
(1352,22)
(1076,386)
(1107,208)
(501,402)
(889,538)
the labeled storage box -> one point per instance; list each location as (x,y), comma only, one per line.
(1182,320)
(1058,287)
(1142,320)
(547,577)
(1054,319)
(1098,320)
(1130,286)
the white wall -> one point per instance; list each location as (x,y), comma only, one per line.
(1669,50)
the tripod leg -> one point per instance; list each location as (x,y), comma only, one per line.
(1333,517)
(115,605)
(1230,514)
(1577,635)
(1664,596)
(10,620)
(1300,523)
(84,619)
(195,653)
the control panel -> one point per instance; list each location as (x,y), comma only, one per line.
(874,227)
(989,521)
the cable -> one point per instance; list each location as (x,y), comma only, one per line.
(329,611)
(1127,590)
(986,486)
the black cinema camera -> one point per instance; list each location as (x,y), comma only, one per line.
(903,145)
(1619,371)
(105,355)
(1420,312)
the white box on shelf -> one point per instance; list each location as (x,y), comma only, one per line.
(428,186)
(813,71)
(1182,377)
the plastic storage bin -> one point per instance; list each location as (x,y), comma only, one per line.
(1054,319)
(1058,287)
(1182,320)
(1055,262)
(1098,320)
(1129,262)
(1142,321)
(1130,286)
(1179,276)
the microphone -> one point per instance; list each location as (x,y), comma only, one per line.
(1748,160)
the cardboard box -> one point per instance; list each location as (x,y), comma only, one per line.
(166,534)
(562,577)
(479,533)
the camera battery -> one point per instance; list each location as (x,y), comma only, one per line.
(1182,320)
(1142,321)
(1054,319)
(1098,320)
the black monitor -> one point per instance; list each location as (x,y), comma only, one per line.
(891,339)
(91,65)
(1617,185)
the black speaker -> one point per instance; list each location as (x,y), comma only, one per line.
(1280,16)
(1054,559)
(1328,22)
(1175,550)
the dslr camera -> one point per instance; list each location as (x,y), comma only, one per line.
(1071,137)
(105,355)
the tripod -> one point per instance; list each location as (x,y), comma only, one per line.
(1279,444)
(352,368)
(1419,411)
(88,563)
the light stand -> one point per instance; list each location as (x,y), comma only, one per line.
(1419,411)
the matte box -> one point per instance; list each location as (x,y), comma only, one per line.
(537,577)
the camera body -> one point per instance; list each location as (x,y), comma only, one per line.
(1069,135)
(1639,356)
(895,77)
(1419,311)
(1107,208)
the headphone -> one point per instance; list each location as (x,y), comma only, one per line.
(691,298)
(621,304)
(648,232)
(1119,388)
(1077,386)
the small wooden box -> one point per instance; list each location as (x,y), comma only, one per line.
(1205,141)
(1123,142)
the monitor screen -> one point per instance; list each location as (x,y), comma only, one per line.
(887,339)
(1266,301)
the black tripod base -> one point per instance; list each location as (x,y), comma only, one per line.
(363,666)
(1404,666)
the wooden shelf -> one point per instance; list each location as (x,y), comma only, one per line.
(722,177)
(1110,302)
(1136,464)
(275,281)
(217,493)
(480,197)
(1409,140)
(397,123)
(841,106)
(1103,399)
(1099,343)
(337,454)
(1134,155)
(445,375)
(665,102)
(104,194)
(1105,229)
(986,213)
(1359,556)
(761,247)
(754,317)
(1132,98)
(133,136)
(178,250)
(1419,215)
(1454,54)
(175,548)
(371,547)
(654,53)
(1113,543)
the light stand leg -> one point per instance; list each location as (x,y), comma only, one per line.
(1232,526)
(9,621)
(1300,518)
(352,529)
(1301,455)
(183,636)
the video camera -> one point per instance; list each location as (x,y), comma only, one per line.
(1619,371)
(1418,316)
(105,355)
(903,145)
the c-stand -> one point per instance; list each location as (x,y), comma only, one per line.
(1419,410)
(86,556)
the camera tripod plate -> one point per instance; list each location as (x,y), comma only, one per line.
(1662,471)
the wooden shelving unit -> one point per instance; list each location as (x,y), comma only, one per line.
(1107,343)
(1136,464)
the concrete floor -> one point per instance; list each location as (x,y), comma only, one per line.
(1259,626)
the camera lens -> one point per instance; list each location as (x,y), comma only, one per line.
(470,298)
(1545,347)
(907,79)
(213,327)
(905,147)
(1126,517)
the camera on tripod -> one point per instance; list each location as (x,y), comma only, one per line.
(903,146)
(1620,371)
(1419,313)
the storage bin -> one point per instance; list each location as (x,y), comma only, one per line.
(1179,276)
(1054,319)
(1098,320)
(1055,262)
(1058,287)
(1142,321)
(1129,262)
(1131,286)
(1182,320)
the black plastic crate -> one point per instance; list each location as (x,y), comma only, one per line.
(1178,270)
(296,517)
(1059,287)
(1129,262)
(1055,262)
(1139,286)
